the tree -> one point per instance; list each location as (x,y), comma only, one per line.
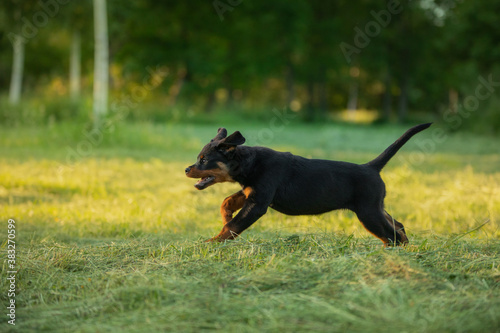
(16,80)
(101,61)
(22,31)
(75,23)
(75,64)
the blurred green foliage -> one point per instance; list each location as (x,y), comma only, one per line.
(174,60)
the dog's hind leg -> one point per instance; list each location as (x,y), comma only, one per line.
(376,222)
(230,205)
(398,227)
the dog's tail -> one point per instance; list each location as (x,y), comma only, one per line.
(379,162)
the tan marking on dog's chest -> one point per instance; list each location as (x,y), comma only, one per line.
(247,191)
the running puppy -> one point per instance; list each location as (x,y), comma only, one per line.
(295,185)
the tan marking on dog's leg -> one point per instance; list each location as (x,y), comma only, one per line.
(230,205)
(398,227)
(225,234)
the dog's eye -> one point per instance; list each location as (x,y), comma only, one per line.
(203,160)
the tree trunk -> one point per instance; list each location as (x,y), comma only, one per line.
(101,61)
(75,66)
(403,98)
(310,115)
(209,104)
(387,102)
(176,88)
(404,84)
(289,80)
(228,82)
(322,96)
(352,102)
(453,100)
(16,80)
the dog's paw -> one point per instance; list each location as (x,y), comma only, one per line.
(213,239)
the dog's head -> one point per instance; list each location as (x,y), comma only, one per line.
(215,160)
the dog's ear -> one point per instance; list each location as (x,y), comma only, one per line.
(232,141)
(221,134)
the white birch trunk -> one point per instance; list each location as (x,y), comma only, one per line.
(101,59)
(75,66)
(352,102)
(16,80)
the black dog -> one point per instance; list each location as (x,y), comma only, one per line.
(295,185)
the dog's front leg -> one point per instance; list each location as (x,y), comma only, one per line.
(254,206)
(231,204)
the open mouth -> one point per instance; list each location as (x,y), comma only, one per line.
(204,182)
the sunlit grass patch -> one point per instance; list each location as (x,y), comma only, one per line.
(359,116)
(117,240)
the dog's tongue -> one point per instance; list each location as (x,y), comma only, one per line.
(204,182)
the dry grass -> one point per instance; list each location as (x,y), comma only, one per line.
(115,241)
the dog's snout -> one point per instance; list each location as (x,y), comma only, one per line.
(188,169)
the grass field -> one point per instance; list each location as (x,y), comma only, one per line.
(109,236)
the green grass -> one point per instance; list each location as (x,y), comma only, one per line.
(113,240)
